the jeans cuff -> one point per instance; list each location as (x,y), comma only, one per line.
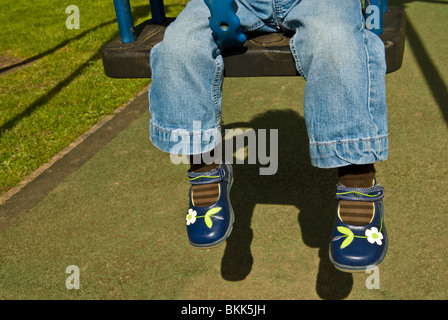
(343,153)
(183,142)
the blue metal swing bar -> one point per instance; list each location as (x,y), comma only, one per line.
(126,22)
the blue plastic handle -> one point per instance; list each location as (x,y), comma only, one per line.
(225,24)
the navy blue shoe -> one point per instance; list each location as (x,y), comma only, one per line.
(210,226)
(357,248)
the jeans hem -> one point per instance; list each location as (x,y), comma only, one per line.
(344,153)
(183,142)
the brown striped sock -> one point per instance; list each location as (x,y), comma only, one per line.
(204,195)
(356,213)
(356,176)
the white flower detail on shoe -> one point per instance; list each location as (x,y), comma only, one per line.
(191,216)
(374,236)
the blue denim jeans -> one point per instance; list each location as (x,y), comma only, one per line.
(342,62)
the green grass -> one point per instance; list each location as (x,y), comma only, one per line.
(45,105)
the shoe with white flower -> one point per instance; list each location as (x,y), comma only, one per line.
(359,247)
(209,226)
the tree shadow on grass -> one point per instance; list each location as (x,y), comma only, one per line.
(431,72)
(309,189)
(138,12)
(55,48)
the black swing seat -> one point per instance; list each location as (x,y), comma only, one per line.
(263,54)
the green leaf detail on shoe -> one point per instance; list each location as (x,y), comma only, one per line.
(349,236)
(347,233)
(210,213)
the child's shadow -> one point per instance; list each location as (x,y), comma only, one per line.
(296,183)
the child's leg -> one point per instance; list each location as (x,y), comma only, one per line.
(185,104)
(346,117)
(344,67)
(345,105)
(185,92)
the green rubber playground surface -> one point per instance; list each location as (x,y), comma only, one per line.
(119,216)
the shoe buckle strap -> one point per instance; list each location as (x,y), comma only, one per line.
(213,176)
(359,194)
